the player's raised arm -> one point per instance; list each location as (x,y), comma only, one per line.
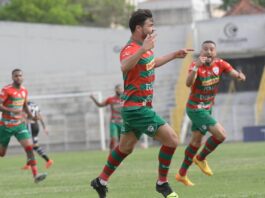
(237,75)
(99,104)
(42,123)
(193,70)
(171,56)
(128,63)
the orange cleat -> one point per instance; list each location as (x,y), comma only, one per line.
(26,167)
(49,163)
(184,179)
(203,165)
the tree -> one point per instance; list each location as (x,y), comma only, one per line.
(227,4)
(260,2)
(102,13)
(44,11)
(105,12)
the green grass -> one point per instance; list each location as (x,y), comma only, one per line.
(239,172)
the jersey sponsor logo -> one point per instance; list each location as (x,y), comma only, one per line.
(209,88)
(210,82)
(125,54)
(206,97)
(18,103)
(216,70)
(150,65)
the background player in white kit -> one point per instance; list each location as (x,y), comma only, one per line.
(33,127)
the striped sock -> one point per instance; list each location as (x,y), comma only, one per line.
(164,158)
(190,152)
(114,160)
(31,160)
(41,153)
(209,146)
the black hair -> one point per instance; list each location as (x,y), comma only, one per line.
(16,70)
(138,17)
(117,86)
(209,41)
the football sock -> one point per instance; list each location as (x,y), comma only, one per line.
(164,158)
(190,152)
(31,160)
(41,153)
(209,146)
(114,160)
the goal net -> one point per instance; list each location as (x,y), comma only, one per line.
(73,121)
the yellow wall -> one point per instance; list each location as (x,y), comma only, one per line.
(181,91)
(260,98)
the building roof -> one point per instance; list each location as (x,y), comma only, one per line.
(245,7)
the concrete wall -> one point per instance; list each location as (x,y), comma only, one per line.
(235,36)
(49,48)
(63,59)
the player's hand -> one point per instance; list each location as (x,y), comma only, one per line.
(241,76)
(183,52)
(92,96)
(201,60)
(149,42)
(46,131)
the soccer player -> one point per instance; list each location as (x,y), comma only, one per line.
(138,67)
(13,100)
(115,119)
(33,127)
(203,78)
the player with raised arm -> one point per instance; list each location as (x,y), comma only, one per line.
(13,101)
(138,67)
(115,120)
(203,78)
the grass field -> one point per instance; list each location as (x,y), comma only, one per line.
(239,172)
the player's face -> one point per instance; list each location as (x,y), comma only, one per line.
(147,28)
(17,78)
(208,50)
(118,90)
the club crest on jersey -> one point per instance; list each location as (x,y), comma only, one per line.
(216,70)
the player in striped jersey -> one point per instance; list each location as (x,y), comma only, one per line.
(203,78)
(138,67)
(33,127)
(13,101)
(115,119)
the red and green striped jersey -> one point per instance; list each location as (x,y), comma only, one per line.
(12,98)
(205,87)
(115,106)
(139,81)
